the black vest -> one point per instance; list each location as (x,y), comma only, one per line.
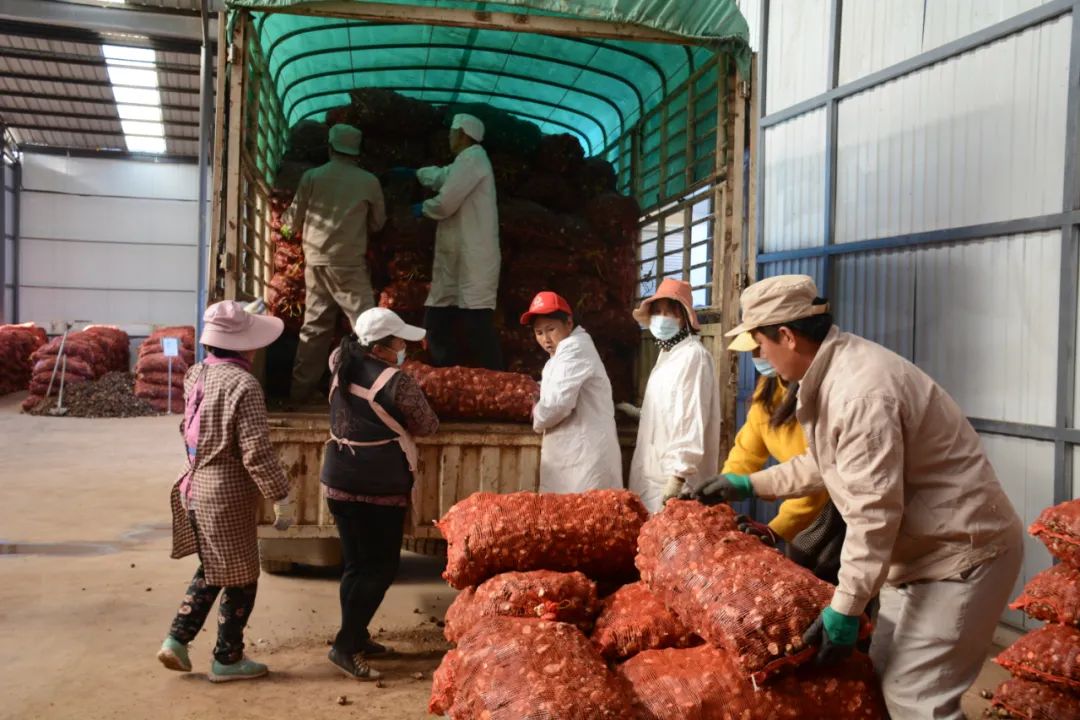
(373,470)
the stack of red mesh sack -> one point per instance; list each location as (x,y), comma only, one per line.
(460,393)
(1045,663)
(527,565)
(87,355)
(17,344)
(152,368)
(285,291)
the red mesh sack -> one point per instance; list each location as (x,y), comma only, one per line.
(1053,595)
(1050,655)
(544,594)
(75,366)
(459,393)
(560,154)
(1035,701)
(39,384)
(160,364)
(186,333)
(703,683)
(17,344)
(117,346)
(1058,528)
(633,620)
(730,588)
(162,379)
(594,532)
(405,296)
(527,669)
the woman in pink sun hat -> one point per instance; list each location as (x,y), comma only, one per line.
(231,465)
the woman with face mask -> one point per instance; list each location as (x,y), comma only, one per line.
(580,449)
(367,472)
(678,439)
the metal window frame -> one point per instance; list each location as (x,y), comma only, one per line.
(1063,434)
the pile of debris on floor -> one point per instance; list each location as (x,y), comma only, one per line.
(552,616)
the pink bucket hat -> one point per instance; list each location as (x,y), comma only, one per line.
(229,327)
(670,289)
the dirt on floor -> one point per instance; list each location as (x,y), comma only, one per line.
(87,592)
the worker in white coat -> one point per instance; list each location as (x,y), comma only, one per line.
(928,523)
(678,440)
(465,274)
(580,449)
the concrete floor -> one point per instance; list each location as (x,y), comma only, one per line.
(87,591)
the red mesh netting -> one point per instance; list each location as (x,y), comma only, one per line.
(544,594)
(117,346)
(594,532)
(633,620)
(527,669)
(460,393)
(704,683)
(1058,527)
(1036,701)
(17,344)
(1050,655)
(730,588)
(1053,595)
(152,369)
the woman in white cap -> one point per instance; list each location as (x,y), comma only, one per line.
(580,450)
(367,473)
(230,466)
(465,274)
(679,432)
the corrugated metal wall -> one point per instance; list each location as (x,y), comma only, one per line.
(9,180)
(794,191)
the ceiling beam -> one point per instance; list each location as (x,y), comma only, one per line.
(87,61)
(84,131)
(4,111)
(93,101)
(90,83)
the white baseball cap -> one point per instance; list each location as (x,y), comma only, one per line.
(378,323)
(470,125)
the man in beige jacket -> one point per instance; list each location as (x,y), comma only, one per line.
(335,207)
(928,524)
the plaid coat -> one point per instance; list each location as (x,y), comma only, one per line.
(234,463)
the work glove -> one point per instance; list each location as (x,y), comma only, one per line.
(402,173)
(834,634)
(762,532)
(723,488)
(673,488)
(417,210)
(287,232)
(284,513)
(629,410)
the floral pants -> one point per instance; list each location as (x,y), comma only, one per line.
(233,612)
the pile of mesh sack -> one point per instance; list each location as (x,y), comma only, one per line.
(152,375)
(17,344)
(80,357)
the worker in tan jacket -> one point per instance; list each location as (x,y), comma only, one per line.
(928,524)
(335,207)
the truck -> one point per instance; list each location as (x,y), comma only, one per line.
(670,102)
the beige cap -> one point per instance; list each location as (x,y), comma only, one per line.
(345,139)
(772,301)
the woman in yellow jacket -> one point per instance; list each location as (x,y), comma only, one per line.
(811,527)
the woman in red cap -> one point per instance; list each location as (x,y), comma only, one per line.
(576,414)
(679,432)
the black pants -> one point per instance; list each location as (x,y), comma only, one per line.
(371,548)
(463,337)
(233,613)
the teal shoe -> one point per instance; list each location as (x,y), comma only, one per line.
(244,670)
(174,655)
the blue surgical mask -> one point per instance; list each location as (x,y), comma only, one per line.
(401,356)
(663,327)
(764,367)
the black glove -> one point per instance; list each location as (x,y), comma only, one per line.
(832,651)
(762,532)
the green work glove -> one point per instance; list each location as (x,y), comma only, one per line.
(724,488)
(286,231)
(834,634)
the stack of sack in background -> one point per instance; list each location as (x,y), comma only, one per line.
(1045,663)
(89,354)
(17,344)
(459,393)
(712,631)
(562,224)
(152,368)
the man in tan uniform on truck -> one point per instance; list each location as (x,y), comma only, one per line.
(928,524)
(335,207)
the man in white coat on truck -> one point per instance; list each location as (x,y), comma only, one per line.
(575,412)
(465,274)
(928,524)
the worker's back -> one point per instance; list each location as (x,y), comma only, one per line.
(337,204)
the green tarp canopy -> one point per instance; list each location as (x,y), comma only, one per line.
(594,88)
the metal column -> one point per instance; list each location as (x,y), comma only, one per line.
(206,131)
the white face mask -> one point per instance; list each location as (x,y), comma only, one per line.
(663,327)
(764,367)
(401,356)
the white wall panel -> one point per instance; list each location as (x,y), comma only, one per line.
(79,217)
(135,312)
(122,178)
(60,264)
(795,183)
(874,296)
(1026,471)
(976,139)
(798,39)
(751,10)
(948,20)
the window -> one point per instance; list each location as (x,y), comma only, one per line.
(677,242)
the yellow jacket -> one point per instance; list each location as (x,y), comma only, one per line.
(756,441)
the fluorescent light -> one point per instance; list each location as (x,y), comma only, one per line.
(145,144)
(137,96)
(134,77)
(133,127)
(147,113)
(125,54)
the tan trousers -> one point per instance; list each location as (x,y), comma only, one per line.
(328,288)
(931,638)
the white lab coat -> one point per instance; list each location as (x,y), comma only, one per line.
(679,430)
(580,449)
(467,258)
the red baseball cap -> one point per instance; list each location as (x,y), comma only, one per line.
(545,303)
